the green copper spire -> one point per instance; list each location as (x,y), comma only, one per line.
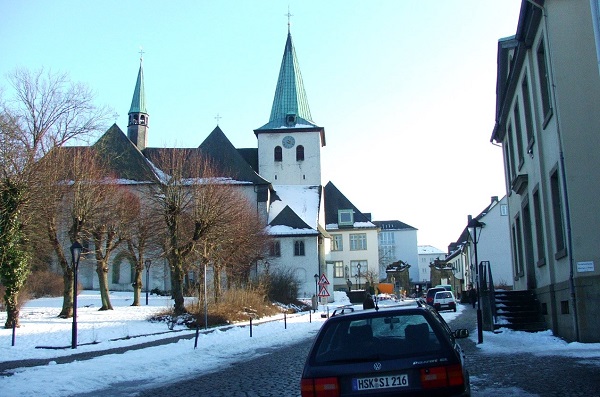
(290,106)
(138,103)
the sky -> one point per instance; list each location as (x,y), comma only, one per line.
(404,89)
(41,327)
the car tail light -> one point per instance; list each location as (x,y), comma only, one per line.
(445,376)
(320,387)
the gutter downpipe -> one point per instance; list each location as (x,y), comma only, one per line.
(564,181)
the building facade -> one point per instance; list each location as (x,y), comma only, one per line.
(548,88)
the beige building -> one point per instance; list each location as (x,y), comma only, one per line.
(547,121)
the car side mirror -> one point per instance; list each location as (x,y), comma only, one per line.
(461,333)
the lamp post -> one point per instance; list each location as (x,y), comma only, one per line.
(316,276)
(148,263)
(75,255)
(358,267)
(473,225)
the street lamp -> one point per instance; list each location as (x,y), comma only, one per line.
(358,267)
(473,225)
(76,249)
(148,263)
(316,276)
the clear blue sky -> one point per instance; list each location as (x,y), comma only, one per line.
(404,88)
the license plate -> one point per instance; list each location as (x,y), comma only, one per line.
(380,382)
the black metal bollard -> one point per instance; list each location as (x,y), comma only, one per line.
(310,316)
(251,327)
(14,332)
(284,321)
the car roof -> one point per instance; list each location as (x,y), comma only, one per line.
(417,306)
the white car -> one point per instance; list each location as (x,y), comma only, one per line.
(444,300)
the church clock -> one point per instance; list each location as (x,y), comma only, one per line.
(288,142)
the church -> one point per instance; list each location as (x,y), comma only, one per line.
(282,177)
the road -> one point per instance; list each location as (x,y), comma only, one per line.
(277,373)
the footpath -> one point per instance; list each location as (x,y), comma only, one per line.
(523,374)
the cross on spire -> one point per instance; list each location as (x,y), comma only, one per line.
(217,117)
(289,15)
(142,52)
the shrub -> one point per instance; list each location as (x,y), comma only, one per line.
(44,283)
(282,286)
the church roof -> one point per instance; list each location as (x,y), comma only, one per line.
(138,102)
(223,155)
(287,217)
(228,159)
(334,201)
(290,97)
(123,158)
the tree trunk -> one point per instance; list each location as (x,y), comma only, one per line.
(102,272)
(67,306)
(138,284)
(177,284)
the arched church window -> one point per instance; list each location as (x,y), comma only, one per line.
(135,119)
(142,119)
(299,153)
(277,153)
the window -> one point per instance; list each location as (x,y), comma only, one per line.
(510,156)
(337,242)
(275,248)
(517,253)
(544,82)
(528,240)
(559,234)
(345,217)
(278,153)
(358,241)
(518,134)
(338,269)
(539,232)
(528,117)
(386,238)
(299,248)
(503,209)
(299,153)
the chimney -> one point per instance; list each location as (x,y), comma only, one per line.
(494,199)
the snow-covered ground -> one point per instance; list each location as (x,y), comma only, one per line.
(121,327)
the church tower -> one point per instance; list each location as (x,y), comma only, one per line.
(289,145)
(137,125)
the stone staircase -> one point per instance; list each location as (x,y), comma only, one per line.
(518,310)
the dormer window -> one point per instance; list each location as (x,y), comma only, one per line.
(290,119)
(345,217)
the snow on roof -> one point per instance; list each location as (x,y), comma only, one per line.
(429,249)
(303,200)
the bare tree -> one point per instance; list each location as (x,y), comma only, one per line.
(142,240)
(47,110)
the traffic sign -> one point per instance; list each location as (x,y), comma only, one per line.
(323,280)
(323,292)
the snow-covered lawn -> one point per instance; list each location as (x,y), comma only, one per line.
(125,324)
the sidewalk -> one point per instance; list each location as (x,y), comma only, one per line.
(522,374)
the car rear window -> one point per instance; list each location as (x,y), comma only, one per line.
(381,338)
(443,295)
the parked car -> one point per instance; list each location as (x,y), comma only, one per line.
(444,300)
(431,294)
(447,287)
(393,351)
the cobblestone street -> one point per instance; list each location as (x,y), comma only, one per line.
(524,374)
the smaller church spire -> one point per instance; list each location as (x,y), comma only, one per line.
(137,126)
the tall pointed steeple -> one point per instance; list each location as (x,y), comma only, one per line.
(137,126)
(290,105)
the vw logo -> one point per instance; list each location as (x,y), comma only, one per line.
(377,366)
